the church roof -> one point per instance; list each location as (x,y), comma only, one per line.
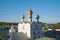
(18,36)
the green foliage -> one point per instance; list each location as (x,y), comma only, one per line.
(44,29)
(50,24)
(58,24)
(8,23)
(44,24)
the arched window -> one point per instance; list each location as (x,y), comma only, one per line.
(34,32)
(38,32)
(26,33)
(23,27)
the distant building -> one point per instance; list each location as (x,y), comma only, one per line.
(55,32)
(54,28)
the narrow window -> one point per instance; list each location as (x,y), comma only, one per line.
(23,27)
(34,33)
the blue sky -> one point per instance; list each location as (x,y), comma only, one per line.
(11,10)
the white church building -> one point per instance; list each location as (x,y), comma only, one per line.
(32,29)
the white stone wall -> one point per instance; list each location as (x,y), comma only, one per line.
(25,28)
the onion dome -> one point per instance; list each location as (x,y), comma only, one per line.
(37,16)
(22,17)
(29,12)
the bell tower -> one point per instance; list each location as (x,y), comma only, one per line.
(29,15)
